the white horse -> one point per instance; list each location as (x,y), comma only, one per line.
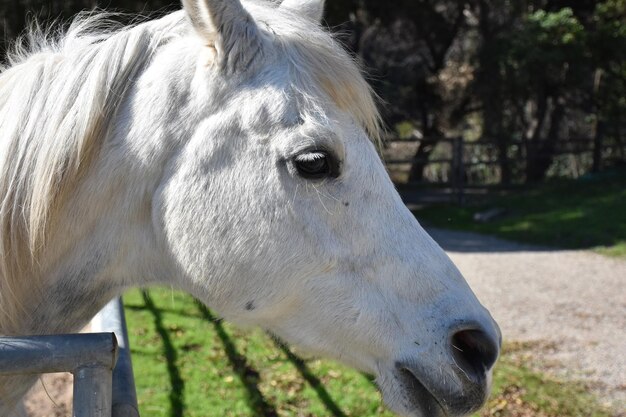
(224,150)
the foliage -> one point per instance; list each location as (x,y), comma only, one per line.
(528,76)
(545,43)
(188,362)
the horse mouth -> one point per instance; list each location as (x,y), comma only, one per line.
(416,396)
(414,392)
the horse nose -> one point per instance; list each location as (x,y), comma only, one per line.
(475,350)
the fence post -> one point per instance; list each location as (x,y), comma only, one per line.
(90,357)
(124,398)
(92,391)
(458,169)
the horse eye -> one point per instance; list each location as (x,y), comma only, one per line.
(315,165)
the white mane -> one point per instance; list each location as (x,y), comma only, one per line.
(56,101)
(325,69)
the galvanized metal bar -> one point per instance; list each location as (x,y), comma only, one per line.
(57,353)
(92,391)
(111,319)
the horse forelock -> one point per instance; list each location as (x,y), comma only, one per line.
(321,66)
(57,99)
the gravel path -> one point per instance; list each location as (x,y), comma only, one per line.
(570,304)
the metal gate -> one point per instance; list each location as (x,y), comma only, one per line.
(100,362)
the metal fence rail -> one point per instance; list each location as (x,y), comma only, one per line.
(104,385)
(111,319)
(90,357)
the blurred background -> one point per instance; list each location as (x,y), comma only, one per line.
(504,117)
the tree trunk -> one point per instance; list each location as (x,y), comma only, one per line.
(431,136)
(489,84)
(425,148)
(597,147)
(502,145)
(597,126)
(542,155)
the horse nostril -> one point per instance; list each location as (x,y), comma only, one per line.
(474,351)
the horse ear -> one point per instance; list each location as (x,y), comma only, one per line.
(312,9)
(227,26)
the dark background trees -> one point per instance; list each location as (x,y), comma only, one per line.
(529,77)
(533,78)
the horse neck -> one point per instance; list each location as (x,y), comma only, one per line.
(64,296)
(99,243)
(101,239)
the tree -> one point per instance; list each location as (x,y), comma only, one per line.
(417,54)
(541,77)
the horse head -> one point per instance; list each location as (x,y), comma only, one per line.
(278,211)
(229,150)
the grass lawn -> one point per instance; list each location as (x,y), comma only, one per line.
(189,363)
(585,213)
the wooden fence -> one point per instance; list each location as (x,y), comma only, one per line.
(457,169)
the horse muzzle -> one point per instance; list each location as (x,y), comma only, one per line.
(445,381)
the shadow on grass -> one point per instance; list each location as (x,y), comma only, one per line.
(247,374)
(314,381)
(172,311)
(177,393)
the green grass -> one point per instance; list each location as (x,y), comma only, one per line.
(188,363)
(576,214)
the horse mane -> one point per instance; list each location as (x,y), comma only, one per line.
(57,98)
(61,91)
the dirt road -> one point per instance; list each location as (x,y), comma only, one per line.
(572,304)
